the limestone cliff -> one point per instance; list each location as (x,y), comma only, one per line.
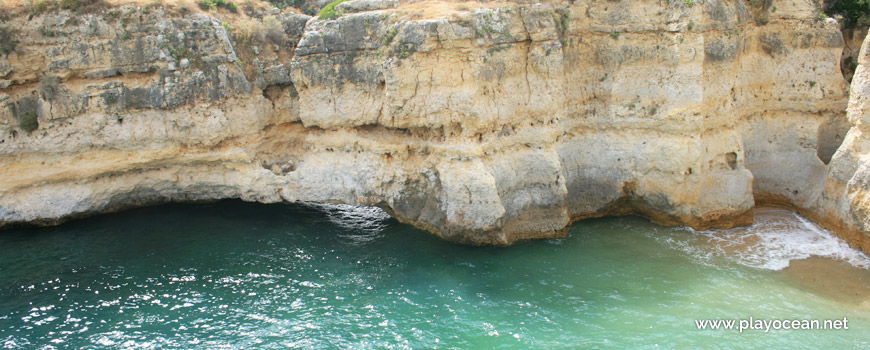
(844,200)
(481,122)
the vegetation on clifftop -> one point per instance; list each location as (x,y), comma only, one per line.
(183,7)
(856,13)
(212,4)
(42,6)
(329,11)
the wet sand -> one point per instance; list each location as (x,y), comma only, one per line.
(779,240)
(826,277)
(832,279)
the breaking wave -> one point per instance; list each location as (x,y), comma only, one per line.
(777,237)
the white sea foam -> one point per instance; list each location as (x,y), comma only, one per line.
(777,237)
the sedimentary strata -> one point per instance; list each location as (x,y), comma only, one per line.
(483,123)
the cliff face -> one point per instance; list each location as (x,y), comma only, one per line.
(480,122)
(844,201)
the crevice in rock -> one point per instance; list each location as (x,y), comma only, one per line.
(830,136)
(731,160)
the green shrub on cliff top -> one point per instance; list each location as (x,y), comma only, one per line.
(212,4)
(329,11)
(856,13)
(391,33)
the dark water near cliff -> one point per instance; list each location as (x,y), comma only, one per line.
(239,275)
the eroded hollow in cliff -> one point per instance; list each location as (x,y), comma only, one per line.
(279,93)
(830,136)
(731,159)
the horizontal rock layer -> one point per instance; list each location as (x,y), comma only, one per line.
(483,123)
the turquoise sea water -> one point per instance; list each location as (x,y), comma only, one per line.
(233,275)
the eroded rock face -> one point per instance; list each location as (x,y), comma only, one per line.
(482,123)
(843,201)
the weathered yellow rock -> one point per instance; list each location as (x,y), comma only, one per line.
(483,123)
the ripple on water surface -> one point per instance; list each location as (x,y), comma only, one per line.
(240,275)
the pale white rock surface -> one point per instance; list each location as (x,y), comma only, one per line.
(366,5)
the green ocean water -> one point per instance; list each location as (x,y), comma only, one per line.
(232,275)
